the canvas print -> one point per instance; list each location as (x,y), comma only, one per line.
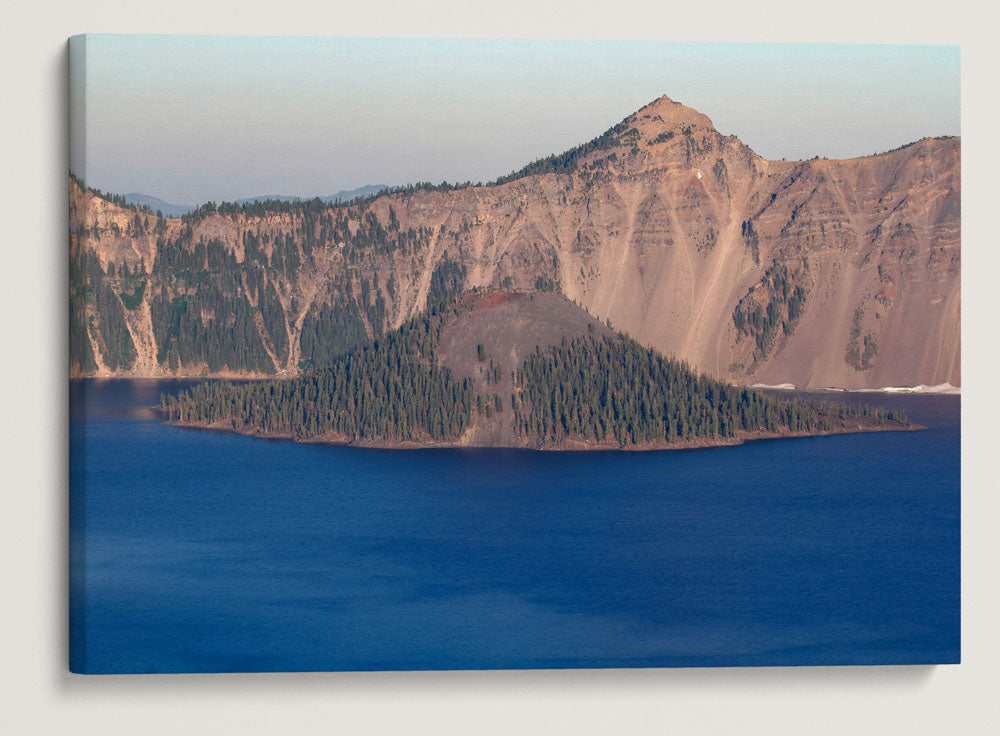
(403,354)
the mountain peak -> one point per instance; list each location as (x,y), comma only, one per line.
(667,114)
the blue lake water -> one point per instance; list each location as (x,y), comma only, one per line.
(196,551)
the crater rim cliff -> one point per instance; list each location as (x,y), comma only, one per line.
(819,272)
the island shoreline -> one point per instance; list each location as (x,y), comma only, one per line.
(566,446)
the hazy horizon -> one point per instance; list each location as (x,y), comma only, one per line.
(189,119)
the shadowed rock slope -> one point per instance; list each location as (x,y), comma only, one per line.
(817,273)
(492,338)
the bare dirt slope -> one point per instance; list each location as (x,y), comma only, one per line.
(494,334)
(664,226)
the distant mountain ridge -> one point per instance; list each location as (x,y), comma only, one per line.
(345,195)
(156,204)
(815,273)
(176,210)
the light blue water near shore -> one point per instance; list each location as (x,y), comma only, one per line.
(197,551)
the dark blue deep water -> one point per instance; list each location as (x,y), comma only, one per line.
(195,551)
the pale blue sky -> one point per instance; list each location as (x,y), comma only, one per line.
(194,118)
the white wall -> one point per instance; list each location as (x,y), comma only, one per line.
(36,693)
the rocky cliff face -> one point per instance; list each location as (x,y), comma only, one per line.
(816,273)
